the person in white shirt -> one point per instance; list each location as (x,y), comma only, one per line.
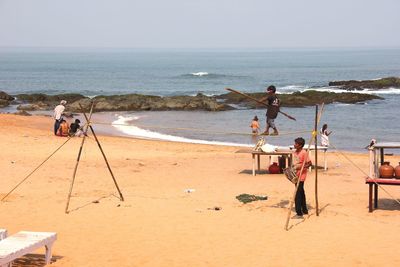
(324,135)
(58,112)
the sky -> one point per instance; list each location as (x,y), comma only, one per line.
(199,23)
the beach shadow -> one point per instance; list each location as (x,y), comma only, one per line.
(283,204)
(33,260)
(251,172)
(388,204)
(324,207)
(94,202)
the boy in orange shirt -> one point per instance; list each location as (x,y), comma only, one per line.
(254,125)
(300,158)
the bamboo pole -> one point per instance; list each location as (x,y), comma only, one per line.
(301,170)
(258,101)
(79,156)
(121,197)
(316,160)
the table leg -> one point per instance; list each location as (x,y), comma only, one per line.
(254,164)
(258,163)
(370,197)
(375,196)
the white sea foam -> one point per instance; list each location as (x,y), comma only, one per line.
(389,91)
(201,73)
(288,89)
(124,125)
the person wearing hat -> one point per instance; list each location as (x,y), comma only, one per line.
(272,109)
(58,112)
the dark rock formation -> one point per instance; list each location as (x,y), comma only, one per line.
(368,84)
(5,99)
(298,99)
(148,102)
(22,113)
(199,102)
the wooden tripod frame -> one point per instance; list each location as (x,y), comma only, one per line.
(85,130)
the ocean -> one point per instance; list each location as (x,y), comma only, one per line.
(187,72)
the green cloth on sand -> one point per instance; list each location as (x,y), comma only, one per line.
(246,198)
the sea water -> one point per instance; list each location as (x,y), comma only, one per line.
(187,72)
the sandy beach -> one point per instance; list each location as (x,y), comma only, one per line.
(160,224)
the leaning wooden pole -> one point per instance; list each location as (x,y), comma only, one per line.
(301,170)
(121,197)
(79,157)
(316,160)
(258,101)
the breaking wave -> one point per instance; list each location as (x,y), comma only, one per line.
(126,126)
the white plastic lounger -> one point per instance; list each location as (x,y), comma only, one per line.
(3,233)
(24,242)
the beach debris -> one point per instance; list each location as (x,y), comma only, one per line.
(189,190)
(95,201)
(247,198)
(12,162)
(215,208)
(141,164)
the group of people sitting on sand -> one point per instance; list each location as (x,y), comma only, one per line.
(61,126)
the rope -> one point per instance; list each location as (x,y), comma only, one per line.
(196,129)
(367,175)
(26,177)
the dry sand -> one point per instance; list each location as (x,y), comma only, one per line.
(159,224)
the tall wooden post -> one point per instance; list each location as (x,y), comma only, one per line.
(316,160)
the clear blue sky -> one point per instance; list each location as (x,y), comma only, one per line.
(200,23)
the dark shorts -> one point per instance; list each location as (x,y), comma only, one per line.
(271,123)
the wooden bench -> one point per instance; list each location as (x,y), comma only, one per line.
(24,242)
(373,186)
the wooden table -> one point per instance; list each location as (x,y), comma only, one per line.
(258,154)
(373,186)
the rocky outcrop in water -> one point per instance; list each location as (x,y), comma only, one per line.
(43,101)
(298,99)
(378,84)
(121,102)
(148,102)
(5,99)
(139,102)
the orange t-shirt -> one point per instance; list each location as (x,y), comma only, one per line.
(298,159)
(254,125)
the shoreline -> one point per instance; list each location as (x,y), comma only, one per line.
(118,134)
